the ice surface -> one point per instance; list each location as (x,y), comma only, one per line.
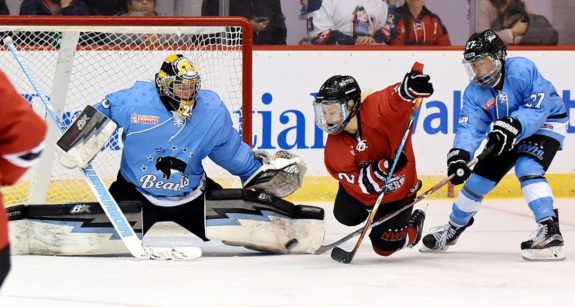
(485,268)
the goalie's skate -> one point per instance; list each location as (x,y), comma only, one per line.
(545,243)
(440,238)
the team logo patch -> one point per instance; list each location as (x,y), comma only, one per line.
(490,104)
(82,121)
(145,119)
(395,183)
(361,145)
(463,119)
(502,98)
(394,234)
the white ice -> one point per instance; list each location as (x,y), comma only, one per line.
(485,268)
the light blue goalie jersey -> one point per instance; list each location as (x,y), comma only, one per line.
(525,96)
(163,156)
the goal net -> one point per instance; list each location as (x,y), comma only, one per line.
(78,61)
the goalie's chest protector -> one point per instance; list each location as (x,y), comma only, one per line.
(163,156)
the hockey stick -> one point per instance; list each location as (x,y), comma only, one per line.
(109,205)
(339,254)
(422,196)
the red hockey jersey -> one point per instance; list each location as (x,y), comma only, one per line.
(383,116)
(22,134)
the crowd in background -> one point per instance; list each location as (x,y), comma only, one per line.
(331,22)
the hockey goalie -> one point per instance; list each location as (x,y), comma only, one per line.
(169,127)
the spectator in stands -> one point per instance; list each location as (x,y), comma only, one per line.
(515,22)
(141,8)
(392,7)
(3,8)
(345,22)
(487,17)
(417,25)
(106,7)
(539,29)
(265,16)
(138,8)
(54,7)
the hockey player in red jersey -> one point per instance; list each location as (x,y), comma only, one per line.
(360,149)
(21,141)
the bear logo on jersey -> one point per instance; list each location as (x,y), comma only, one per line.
(168,164)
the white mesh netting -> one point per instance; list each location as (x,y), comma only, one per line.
(77,66)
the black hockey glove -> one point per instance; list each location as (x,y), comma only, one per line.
(457,160)
(504,135)
(415,85)
(378,171)
(382,167)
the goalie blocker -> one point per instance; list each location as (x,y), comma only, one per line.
(238,217)
(85,138)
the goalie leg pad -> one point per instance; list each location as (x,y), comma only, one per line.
(77,229)
(262,222)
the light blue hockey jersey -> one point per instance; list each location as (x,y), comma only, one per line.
(162,156)
(525,96)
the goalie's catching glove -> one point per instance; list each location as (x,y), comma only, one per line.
(280,175)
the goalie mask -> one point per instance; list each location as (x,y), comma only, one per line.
(484,57)
(178,83)
(336,103)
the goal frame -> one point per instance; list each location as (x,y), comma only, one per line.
(247,42)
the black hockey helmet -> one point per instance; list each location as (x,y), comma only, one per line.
(178,83)
(331,105)
(484,57)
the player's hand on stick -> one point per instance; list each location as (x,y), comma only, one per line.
(415,84)
(457,160)
(384,166)
(504,135)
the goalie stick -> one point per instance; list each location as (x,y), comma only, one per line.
(422,196)
(109,205)
(340,255)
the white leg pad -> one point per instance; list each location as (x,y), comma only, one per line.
(269,236)
(262,222)
(309,234)
(66,230)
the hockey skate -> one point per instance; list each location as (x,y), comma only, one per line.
(415,227)
(545,243)
(440,238)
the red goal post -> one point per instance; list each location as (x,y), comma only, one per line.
(78,60)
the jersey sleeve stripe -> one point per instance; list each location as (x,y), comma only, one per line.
(25,159)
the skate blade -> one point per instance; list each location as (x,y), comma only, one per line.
(547,254)
(425,249)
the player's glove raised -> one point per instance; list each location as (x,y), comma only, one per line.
(457,160)
(415,85)
(504,135)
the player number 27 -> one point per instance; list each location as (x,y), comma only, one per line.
(537,99)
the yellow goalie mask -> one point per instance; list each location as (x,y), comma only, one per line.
(178,83)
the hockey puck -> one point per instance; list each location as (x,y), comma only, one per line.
(291,244)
